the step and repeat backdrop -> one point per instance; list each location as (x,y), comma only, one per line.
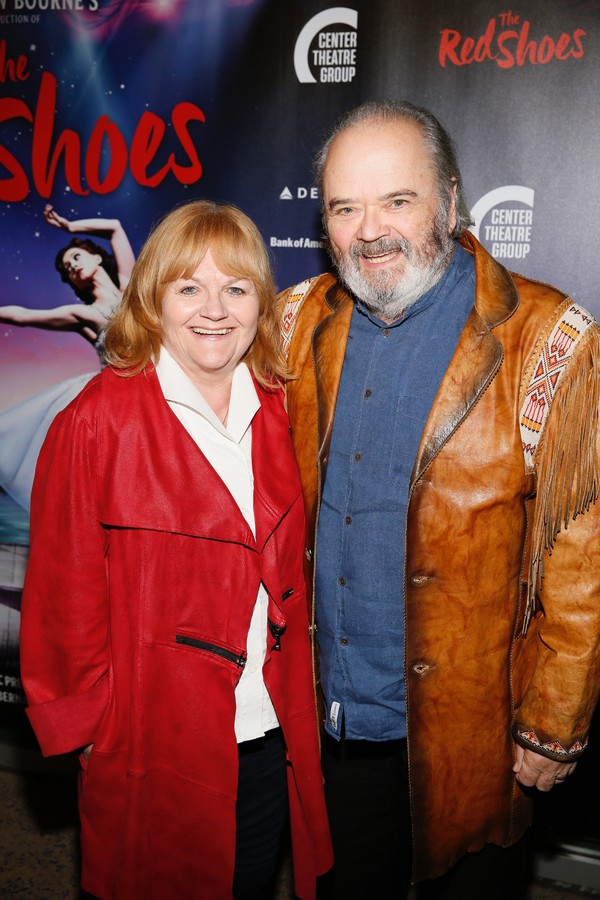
(114,111)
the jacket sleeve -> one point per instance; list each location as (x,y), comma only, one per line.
(64,616)
(562,645)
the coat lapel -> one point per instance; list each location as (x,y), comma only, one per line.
(329,348)
(477,357)
(155,476)
(276,480)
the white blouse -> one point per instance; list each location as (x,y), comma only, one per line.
(229,451)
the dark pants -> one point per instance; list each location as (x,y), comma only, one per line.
(366,787)
(261,813)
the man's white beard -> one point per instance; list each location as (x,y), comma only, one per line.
(390,292)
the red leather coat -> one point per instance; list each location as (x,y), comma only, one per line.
(139,592)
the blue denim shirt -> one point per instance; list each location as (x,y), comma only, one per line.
(390,377)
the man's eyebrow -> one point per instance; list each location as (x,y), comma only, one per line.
(340,201)
(392,195)
(404,192)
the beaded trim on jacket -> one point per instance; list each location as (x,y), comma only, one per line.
(563,375)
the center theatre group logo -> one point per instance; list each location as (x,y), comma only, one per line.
(508,41)
(503,221)
(334,56)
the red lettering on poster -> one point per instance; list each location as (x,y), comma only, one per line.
(117,167)
(49,150)
(17,186)
(11,69)
(181,115)
(507,42)
(147,139)
(44,160)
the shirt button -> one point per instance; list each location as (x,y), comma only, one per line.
(386,332)
(344,641)
(348,520)
(368,392)
(342,581)
(358,457)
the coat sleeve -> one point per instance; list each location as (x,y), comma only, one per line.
(561,651)
(65,658)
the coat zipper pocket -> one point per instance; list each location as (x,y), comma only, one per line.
(276,631)
(238,658)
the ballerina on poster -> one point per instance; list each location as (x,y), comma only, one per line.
(98,279)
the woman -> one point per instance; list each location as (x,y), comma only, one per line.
(98,279)
(164,625)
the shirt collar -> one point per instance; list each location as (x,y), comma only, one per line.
(178,388)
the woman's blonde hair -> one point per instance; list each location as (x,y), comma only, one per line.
(173,250)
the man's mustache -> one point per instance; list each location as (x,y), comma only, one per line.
(368,249)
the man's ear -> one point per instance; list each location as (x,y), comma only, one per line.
(452,214)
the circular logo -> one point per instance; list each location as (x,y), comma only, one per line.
(330,53)
(504,221)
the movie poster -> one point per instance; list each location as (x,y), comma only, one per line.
(114,111)
(109,113)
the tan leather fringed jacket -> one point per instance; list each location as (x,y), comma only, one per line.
(502,578)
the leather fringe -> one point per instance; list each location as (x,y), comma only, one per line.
(566,460)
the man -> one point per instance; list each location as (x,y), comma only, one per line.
(444,414)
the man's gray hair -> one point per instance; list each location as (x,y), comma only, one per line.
(438,141)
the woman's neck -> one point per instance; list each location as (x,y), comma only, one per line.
(106,293)
(218,395)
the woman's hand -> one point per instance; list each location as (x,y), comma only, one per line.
(53,218)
